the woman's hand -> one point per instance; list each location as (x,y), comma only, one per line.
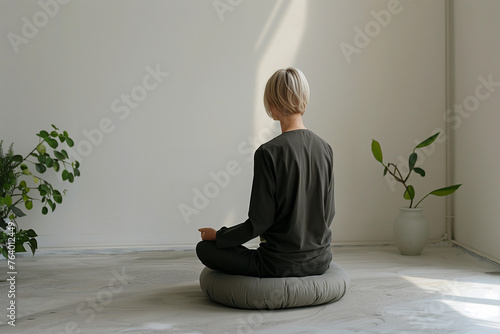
(207,233)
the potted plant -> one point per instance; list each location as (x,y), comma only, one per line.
(410,227)
(20,183)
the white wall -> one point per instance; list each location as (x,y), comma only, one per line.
(207,112)
(477,50)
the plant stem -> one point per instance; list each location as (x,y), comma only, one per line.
(26,157)
(393,173)
(422,199)
(409,172)
(400,178)
(400,175)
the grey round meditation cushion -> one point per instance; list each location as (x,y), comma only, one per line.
(276,292)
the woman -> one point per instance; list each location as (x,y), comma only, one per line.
(292,200)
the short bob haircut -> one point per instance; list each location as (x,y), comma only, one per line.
(288,91)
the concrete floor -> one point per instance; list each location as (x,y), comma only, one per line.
(445,290)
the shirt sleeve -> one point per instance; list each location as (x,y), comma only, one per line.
(330,213)
(262,205)
(330,205)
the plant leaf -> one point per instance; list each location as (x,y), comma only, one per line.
(43,134)
(42,158)
(3,224)
(419,171)
(51,142)
(445,191)
(17,211)
(25,169)
(70,142)
(31,233)
(65,175)
(28,205)
(7,201)
(412,160)
(41,149)
(17,158)
(57,197)
(33,245)
(428,141)
(44,188)
(377,150)
(59,155)
(40,168)
(20,248)
(52,205)
(409,193)
(45,210)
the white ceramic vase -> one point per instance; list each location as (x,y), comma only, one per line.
(411,231)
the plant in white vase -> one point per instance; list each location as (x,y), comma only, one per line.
(410,228)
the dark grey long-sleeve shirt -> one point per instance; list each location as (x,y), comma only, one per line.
(291,206)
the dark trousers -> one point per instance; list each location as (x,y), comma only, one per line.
(235,260)
(248,262)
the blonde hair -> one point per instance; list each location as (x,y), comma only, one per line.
(288,91)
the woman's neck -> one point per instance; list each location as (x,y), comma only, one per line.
(291,122)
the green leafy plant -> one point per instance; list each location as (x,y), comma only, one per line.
(21,182)
(394,171)
(21,237)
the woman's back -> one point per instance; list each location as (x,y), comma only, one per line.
(301,166)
